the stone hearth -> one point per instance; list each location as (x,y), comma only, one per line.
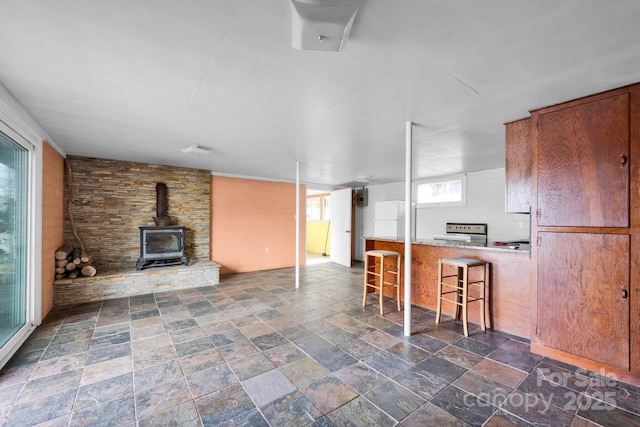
(118,284)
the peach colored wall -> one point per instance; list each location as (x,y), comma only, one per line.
(52,219)
(253,224)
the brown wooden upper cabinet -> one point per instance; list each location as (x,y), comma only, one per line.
(518,166)
(583,163)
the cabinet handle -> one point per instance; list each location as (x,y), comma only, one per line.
(625,294)
(623,159)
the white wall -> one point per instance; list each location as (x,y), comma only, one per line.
(485,204)
(364,216)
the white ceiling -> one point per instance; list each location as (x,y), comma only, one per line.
(138,80)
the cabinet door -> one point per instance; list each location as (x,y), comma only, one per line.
(583,308)
(583,173)
(518,166)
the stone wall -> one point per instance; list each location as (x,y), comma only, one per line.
(113,198)
(130,283)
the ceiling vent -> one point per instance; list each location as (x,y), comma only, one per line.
(195,150)
(321,24)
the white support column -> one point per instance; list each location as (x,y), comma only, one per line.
(297,225)
(407,230)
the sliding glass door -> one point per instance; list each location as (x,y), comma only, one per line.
(14,209)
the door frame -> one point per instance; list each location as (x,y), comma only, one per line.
(34,242)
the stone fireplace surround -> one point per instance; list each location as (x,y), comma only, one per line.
(114,198)
(132,282)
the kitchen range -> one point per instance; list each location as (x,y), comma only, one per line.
(464,234)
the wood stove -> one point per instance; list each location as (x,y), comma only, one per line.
(161,246)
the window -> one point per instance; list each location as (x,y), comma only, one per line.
(443,191)
(15,245)
(318,207)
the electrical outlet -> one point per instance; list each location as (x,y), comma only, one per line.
(266,250)
(520,225)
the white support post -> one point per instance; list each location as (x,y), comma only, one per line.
(407,230)
(297,225)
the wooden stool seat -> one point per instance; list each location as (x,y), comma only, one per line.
(460,288)
(375,278)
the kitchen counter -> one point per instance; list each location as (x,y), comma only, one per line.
(509,279)
(522,247)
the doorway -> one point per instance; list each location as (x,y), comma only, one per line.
(329,226)
(318,238)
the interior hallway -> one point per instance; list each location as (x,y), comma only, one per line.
(314,259)
(255,351)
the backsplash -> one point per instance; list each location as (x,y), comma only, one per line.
(485,204)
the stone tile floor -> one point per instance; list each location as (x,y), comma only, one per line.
(254,351)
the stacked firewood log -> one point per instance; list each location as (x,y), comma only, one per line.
(73,262)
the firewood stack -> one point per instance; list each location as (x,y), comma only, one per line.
(73,262)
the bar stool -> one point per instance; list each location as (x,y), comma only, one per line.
(460,288)
(371,276)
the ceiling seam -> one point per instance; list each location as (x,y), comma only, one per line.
(460,80)
(212,58)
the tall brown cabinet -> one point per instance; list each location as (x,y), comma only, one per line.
(518,166)
(585,228)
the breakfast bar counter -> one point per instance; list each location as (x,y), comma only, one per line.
(509,283)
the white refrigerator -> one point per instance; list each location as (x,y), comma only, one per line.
(388,219)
